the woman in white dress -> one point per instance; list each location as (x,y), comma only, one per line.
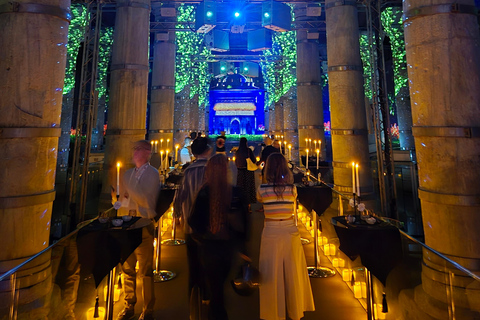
(282,260)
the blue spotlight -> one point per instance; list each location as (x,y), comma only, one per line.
(236,14)
(266,14)
(209,14)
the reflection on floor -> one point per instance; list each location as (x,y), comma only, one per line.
(334,300)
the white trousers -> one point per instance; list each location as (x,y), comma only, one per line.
(283,269)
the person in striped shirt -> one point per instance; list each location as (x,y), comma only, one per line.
(282,260)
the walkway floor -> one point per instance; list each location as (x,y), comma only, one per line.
(333,298)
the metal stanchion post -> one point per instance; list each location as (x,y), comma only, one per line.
(369,284)
(317,271)
(303,240)
(174,241)
(109,300)
(161,275)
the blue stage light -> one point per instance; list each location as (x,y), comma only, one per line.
(222,68)
(237,14)
(209,14)
(266,14)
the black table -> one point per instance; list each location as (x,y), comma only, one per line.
(164,200)
(378,245)
(316,198)
(101,246)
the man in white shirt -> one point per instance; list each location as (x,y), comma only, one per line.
(141,186)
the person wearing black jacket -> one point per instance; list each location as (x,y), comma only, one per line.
(218,221)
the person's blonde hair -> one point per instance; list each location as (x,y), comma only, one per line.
(220,190)
(278,173)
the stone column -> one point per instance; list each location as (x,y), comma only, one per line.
(128,89)
(347,103)
(32,59)
(290,131)
(163,88)
(309,92)
(443,45)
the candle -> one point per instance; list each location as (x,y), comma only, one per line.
(364,290)
(357,179)
(167,160)
(152,143)
(156,146)
(168,142)
(290,152)
(357,290)
(91,312)
(161,143)
(280,146)
(315,142)
(306,142)
(306,164)
(335,262)
(118,179)
(176,151)
(353,177)
(346,275)
(309,143)
(161,159)
(318,152)
(326,249)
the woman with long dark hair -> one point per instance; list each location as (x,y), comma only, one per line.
(212,220)
(282,260)
(245,178)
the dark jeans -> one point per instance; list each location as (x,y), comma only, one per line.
(216,259)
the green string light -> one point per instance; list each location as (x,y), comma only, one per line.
(76,31)
(191,58)
(281,75)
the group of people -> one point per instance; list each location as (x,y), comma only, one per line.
(215,217)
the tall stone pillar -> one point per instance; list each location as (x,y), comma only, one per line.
(163,88)
(128,90)
(32,59)
(347,103)
(442,45)
(309,91)
(290,124)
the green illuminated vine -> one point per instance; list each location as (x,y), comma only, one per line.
(365,54)
(76,31)
(393,27)
(281,75)
(189,70)
(104,55)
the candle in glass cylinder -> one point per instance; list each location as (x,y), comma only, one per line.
(118,179)
(357,188)
(318,152)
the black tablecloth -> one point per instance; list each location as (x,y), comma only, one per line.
(101,247)
(378,245)
(316,198)
(164,200)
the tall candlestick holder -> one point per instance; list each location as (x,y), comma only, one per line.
(317,271)
(158,274)
(173,241)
